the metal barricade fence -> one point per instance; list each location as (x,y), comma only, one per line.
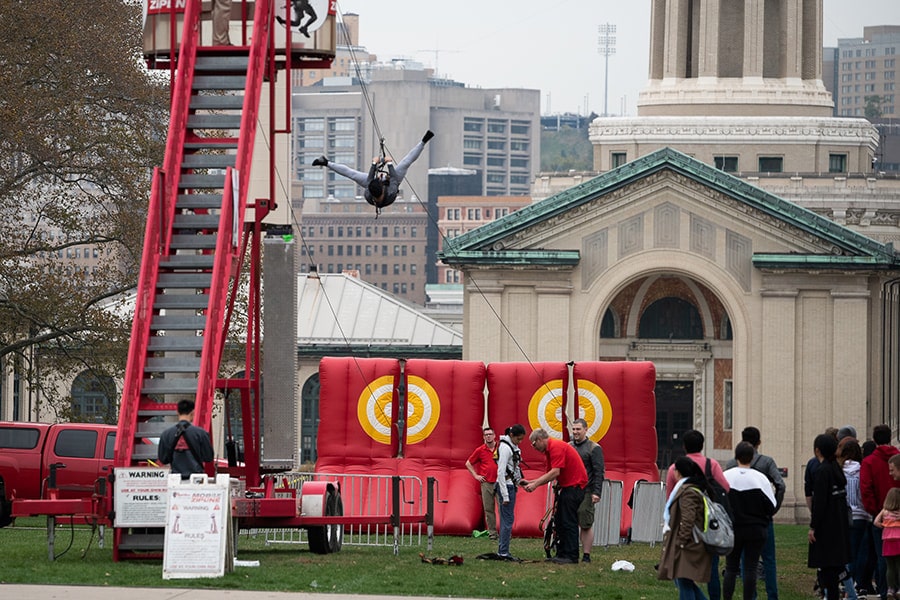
(608,514)
(648,503)
(362,495)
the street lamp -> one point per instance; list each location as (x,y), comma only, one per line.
(607,47)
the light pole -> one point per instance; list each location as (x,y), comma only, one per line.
(607,41)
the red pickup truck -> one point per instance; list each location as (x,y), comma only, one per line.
(28,449)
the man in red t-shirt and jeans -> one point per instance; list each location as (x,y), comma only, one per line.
(483,467)
(874,482)
(564,465)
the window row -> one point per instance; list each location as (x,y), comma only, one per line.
(358,231)
(358,250)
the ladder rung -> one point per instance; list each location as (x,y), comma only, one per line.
(169,364)
(217,102)
(177,322)
(219,82)
(208,161)
(195,201)
(191,221)
(214,122)
(175,343)
(187,261)
(189,181)
(221,63)
(194,242)
(184,280)
(174,385)
(196,301)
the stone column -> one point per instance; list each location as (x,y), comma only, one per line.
(676,49)
(793,43)
(754,29)
(658,12)
(708,57)
(850,371)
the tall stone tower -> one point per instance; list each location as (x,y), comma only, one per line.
(738,84)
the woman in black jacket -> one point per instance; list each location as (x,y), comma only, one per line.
(829,525)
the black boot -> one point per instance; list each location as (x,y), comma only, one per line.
(320,162)
(428,135)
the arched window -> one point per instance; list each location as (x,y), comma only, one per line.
(671,318)
(309,419)
(726,333)
(93,398)
(608,327)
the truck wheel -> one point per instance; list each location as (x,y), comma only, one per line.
(5,507)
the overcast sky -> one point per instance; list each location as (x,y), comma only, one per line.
(551,45)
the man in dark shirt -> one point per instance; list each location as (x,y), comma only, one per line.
(592,455)
(185,446)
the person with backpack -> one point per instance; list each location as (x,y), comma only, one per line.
(184,445)
(509,477)
(685,559)
(692,441)
(592,455)
(765,465)
(753,503)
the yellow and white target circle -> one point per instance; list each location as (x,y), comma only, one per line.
(423,409)
(594,407)
(374,409)
(546,407)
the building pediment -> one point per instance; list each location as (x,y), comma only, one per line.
(667,200)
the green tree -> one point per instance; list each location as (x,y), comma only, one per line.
(566,149)
(82,122)
(873,107)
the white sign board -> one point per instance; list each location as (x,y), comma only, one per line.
(198,515)
(140,497)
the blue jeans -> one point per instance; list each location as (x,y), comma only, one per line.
(688,590)
(507,516)
(859,549)
(714,587)
(768,561)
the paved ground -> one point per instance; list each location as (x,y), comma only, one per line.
(69,592)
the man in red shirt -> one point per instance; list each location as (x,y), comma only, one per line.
(564,465)
(483,467)
(874,482)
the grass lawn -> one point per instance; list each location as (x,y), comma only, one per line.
(375,570)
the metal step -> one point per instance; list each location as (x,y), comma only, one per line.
(219,82)
(216,181)
(192,221)
(188,261)
(142,541)
(197,301)
(208,161)
(144,452)
(175,343)
(151,429)
(174,385)
(194,241)
(217,102)
(170,364)
(177,322)
(228,143)
(221,63)
(214,122)
(195,201)
(184,280)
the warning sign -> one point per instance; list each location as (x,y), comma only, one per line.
(140,497)
(198,518)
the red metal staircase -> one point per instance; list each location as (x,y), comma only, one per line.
(194,241)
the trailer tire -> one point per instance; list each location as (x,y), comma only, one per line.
(328,538)
(337,531)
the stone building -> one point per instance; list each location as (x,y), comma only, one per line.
(722,241)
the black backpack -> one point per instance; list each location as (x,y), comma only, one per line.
(716,492)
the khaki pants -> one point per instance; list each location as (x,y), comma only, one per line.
(221,17)
(488,496)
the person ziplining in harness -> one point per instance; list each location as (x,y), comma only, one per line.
(382,182)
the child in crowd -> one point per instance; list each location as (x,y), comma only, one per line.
(889,520)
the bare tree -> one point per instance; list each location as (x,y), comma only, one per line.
(82,123)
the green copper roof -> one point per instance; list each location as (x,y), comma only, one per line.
(482,240)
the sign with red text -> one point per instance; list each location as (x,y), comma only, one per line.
(198,515)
